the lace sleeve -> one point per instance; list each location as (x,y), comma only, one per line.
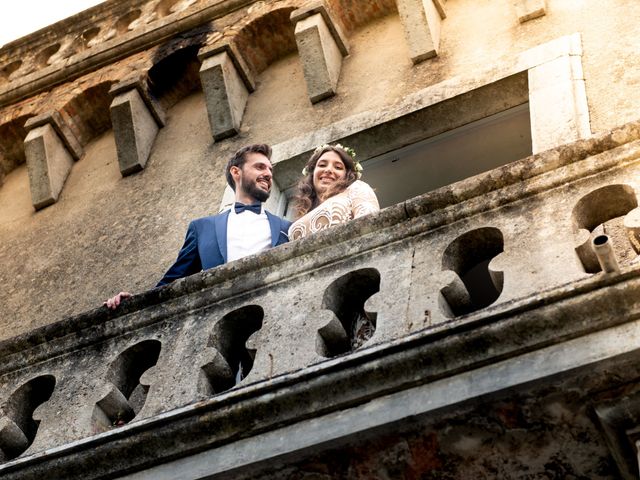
(363,199)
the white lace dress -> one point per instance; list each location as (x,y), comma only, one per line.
(357,200)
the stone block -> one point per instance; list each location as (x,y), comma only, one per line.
(530,9)
(136,120)
(321,46)
(421,21)
(50,149)
(139,82)
(226,82)
(319,7)
(558,103)
(53,118)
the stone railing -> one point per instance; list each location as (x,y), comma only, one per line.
(237,340)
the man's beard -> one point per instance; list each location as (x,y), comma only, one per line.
(254,191)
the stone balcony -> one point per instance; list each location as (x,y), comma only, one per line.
(474,290)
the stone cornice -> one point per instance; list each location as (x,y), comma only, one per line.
(108,52)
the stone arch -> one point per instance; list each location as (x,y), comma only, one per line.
(229,337)
(122,24)
(165,7)
(88,35)
(7,70)
(12,135)
(174,74)
(352,325)
(42,58)
(353,14)
(128,395)
(87,114)
(602,211)
(267,38)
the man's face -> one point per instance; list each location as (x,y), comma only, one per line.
(254,178)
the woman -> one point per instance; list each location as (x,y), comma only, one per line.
(330,193)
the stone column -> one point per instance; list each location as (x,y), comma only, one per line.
(136,117)
(50,148)
(321,45)
(226,82)
(421,21)
(558,102)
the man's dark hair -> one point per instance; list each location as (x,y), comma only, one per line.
(240,157)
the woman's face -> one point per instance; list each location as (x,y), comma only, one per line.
(329,170)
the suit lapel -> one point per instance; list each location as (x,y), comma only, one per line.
(221,233)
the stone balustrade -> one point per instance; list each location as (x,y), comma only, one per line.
(485,269)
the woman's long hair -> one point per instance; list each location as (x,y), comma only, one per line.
(306,197)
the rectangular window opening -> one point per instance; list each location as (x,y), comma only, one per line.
(451,156)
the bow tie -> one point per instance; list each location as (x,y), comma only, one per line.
(241,207)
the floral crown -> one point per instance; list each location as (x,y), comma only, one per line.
(350,151)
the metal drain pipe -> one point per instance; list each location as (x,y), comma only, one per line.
(603,250)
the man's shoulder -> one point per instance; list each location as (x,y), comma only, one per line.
(208,220)
(283,221)
(211,218)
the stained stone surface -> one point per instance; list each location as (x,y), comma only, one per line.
(245,371)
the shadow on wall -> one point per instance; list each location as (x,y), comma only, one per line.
(87,114)
(175,71)
(12,135)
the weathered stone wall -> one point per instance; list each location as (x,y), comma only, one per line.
(524,366)
(165,367)
(108,232)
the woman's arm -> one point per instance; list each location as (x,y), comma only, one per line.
(363,199)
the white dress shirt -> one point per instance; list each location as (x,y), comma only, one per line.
(247,233)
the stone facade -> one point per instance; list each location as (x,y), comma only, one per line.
(505,304)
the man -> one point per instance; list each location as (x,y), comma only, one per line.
(245,229)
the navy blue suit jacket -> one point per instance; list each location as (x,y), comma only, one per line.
(206,245)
